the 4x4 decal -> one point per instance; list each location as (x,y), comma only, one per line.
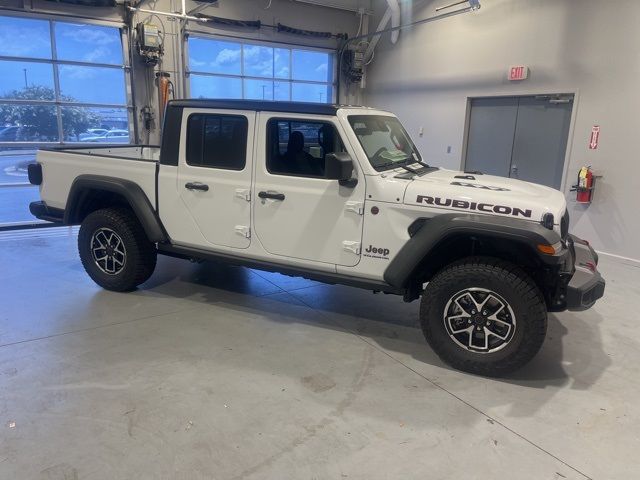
(480,207)
(484,187)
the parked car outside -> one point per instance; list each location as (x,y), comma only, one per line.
(92,132)
(111,136)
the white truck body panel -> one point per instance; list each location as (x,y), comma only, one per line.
(320,220)
(61,168)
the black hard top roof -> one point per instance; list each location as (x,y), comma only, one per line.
(260,105)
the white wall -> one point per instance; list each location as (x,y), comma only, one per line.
(590,47)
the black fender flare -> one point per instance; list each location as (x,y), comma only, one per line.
(130,191)
(439,228)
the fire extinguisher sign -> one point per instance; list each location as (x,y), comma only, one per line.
(595,136)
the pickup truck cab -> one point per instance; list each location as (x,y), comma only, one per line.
(334,193)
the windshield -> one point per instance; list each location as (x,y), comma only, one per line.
(384,140)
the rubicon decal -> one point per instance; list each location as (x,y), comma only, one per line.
(479,207)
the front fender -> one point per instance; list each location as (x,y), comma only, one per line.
(439,228)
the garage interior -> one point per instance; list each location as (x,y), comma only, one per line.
(210,370)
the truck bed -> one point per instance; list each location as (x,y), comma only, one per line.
(61,166)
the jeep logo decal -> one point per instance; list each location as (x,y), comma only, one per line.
(376,252)
(480,207)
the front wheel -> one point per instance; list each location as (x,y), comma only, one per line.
(484,316)
(115,250)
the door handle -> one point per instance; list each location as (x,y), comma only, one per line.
(514,170)
(272,195)
(196,186)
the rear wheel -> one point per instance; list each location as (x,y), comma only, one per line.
(115,250)
(484,316)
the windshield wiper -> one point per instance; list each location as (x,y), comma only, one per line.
(420,162)
(409,169)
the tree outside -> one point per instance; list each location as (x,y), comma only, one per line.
(40,122)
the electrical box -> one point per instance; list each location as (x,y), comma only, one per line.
(353,63)
(149,43)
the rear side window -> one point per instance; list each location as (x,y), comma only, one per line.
(217,141)
(298,147)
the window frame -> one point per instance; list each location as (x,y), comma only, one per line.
(211,167)
(333,83)
(269,143)
(54,62)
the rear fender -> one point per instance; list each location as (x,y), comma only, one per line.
(81,191)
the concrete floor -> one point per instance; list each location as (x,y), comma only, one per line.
(220,372)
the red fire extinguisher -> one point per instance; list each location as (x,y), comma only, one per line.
(584,187)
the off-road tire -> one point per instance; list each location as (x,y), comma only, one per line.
(507,281)
(141,255)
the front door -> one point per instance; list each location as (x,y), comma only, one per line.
(214,175)
(298,213)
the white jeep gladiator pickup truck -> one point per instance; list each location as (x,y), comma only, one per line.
(337,194)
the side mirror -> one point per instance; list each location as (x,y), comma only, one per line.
(338,166)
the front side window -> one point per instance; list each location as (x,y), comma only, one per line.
(217,141)
(384,140)
(299,147)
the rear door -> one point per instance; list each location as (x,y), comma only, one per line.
(298,213)
(214,175)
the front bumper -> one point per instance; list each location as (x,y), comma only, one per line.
(586,285)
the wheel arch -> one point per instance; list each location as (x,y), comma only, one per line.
(92,192)
(438,241)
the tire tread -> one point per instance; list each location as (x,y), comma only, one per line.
(535,323)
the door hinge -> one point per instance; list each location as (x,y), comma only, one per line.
(353,247)
(357,207)
(243,230)
(244,193)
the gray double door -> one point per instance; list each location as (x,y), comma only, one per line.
(520,137)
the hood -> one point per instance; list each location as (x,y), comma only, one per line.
(488,194)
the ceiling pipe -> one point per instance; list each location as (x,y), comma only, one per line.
(374,41)
(394,8)
(474,5)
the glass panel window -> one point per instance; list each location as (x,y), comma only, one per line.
(282,91)
(26,80)
(28,123)
(14,202)
(50,111)
(384,140)
(92,84)
(281,63)
(217,141)
(258,89)
(298,148)
(310,92)
(311,66)
(24,37)
(240,66)
(88,43)
(214,56)
(211,86)
(95,125)
(258,61)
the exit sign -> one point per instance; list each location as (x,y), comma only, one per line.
(518,72)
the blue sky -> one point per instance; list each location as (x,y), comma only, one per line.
(21,37)
(278,66)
